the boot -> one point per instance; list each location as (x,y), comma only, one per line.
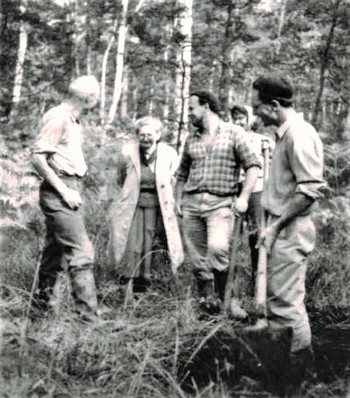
(43,295)
(208,302)
(220,279)
(205,288)
(84,290)
(236,311)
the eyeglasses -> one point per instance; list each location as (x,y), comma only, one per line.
(256,107)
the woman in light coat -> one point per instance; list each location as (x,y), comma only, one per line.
(142,218)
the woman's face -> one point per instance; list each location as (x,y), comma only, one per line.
(148,136)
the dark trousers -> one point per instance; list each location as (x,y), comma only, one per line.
(253,217)
(67,245)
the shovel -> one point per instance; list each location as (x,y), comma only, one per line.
(257,351)
(232,304)
(261,276)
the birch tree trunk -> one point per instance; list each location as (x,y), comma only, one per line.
(167,77)
(125,89)
(119,62)
(280,26)
(183,73)
(122,33)
(104,72)
(135,103)
(150,97)
(88,59)
(21,54)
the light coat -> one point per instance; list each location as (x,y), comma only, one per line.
(124,205)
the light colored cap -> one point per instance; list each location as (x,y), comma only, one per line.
(84,86)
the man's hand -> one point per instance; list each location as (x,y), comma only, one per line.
(241,205)
(72,198)
(269,236)
(178,210)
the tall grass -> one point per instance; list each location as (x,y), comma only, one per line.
(140,351)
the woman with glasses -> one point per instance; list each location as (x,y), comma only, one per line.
(142,219)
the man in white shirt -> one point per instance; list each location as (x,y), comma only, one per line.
(58,158)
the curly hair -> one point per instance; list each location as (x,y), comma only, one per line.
(207,97)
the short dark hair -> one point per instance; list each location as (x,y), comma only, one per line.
(239,109)
(207,97)
(274,88)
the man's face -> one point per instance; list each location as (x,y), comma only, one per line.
(91,101)
(196,111)
(264,111)
(240,120)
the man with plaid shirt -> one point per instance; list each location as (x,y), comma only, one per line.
(206,192)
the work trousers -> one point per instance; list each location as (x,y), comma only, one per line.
(207,224)
(286,279)
(67,245)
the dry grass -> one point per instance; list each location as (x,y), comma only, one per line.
(139,353)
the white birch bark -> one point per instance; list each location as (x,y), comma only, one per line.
(122,30)
(125,89)
(183,74)
(280,26)
(167,77)
(104,72)
(122,33)
(21,54)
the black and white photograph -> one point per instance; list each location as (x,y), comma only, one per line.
(175,198)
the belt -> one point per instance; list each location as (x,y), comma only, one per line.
(203,190)
(62,174)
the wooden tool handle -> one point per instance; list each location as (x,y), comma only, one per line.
(232,263)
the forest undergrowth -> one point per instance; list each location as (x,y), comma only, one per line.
(146,346)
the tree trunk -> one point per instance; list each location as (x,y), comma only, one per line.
(134,97)
(324,66)
(122,33)
(21,54)
(226,60)
(150,97)
(280,26)
(213,75)
(183,29)
(343,121)
(124,100)
(88,59)
(166,57)
(104,72)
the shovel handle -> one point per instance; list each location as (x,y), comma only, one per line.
(232,263)
(261,276)
(261,283)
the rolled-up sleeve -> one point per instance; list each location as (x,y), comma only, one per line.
(245,151)
(306,159)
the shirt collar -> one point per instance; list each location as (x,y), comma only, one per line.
(198,133)
(283,128)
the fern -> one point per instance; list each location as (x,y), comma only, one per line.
(18,189)
(337,167)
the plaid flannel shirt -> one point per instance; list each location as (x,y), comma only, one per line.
(216,169)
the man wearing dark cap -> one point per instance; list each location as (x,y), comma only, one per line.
(206,194)
(294,184)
